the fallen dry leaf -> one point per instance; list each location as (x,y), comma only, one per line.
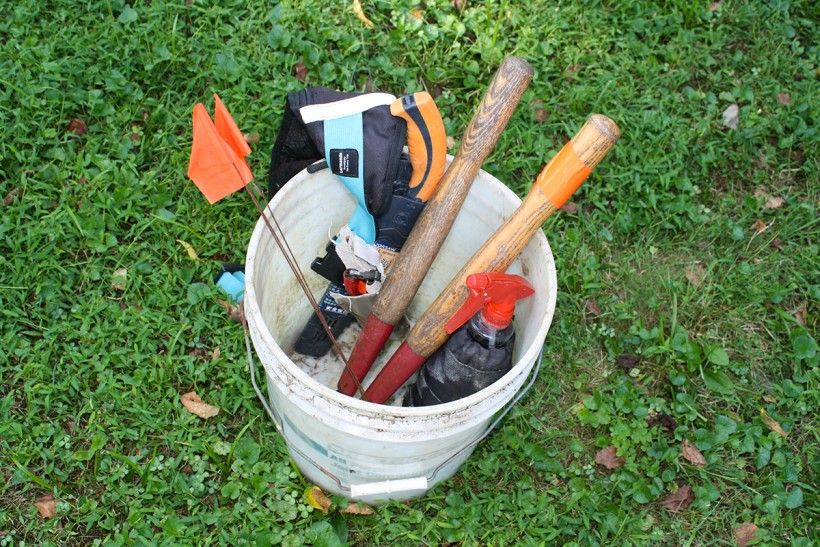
(451,142)
(459,4)
(784,98)
(189,249)
(695,273)
(777,243)
(771,423)
(592,308)
(745,533)
(691,453)
(358,508)
(759,226)
(679,499)
(571,70)
(77,126)
(627,361)
(714,6)
(609,458)
(118,279)
(300,71)
(769,399)
(317,499)
(11,196)
(570,207)
(731,116)
(195,405)
(800,313)
(234,310)
(216,353)
(46,506)
(251,138)
(357,9)
(664,420)
(774,202)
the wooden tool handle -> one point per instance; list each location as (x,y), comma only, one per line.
(556,182)
(434,223)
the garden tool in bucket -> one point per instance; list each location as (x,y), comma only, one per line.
(360,137)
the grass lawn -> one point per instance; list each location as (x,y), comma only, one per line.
(688,269)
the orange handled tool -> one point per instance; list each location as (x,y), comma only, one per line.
(433,224)
(554,185)
(426,140)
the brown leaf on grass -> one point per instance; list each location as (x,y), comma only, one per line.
(745,533)
(571,70)
(11,196)
(251,138)
(714,6)
(317,499)
(300,71)
(358,508)
(119,278)
(451,142)
(570,207)
(357,9)
(771,423)
(774,202)
(216,353)
(538,109)
(695,273)
(609,458)
(679,499)
(769,399)
(627,361)
(234,310)
(777,243)
(592,308)
(192,402)
(691,454)
(784,99)
(77,126)
(800,313)
(46,506)
(664,420)
(759,226)
(459,4)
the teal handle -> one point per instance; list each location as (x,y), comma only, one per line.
(346,133)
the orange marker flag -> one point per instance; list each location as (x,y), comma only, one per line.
(217,165)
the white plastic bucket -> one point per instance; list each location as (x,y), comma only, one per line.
(354,448)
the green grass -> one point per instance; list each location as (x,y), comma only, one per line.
(91,375)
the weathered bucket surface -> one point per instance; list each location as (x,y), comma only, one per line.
(354,448)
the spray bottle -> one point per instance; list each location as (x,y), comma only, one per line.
(479,352)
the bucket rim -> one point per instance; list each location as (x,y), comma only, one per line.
(374,410)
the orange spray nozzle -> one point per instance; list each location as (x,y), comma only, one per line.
(495,295)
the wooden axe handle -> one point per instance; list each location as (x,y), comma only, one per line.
(434,223)
(554,185)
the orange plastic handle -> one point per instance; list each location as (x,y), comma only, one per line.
(566,168)
(426,139)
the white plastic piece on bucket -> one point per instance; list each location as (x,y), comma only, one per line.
(346,445)
(388,487)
